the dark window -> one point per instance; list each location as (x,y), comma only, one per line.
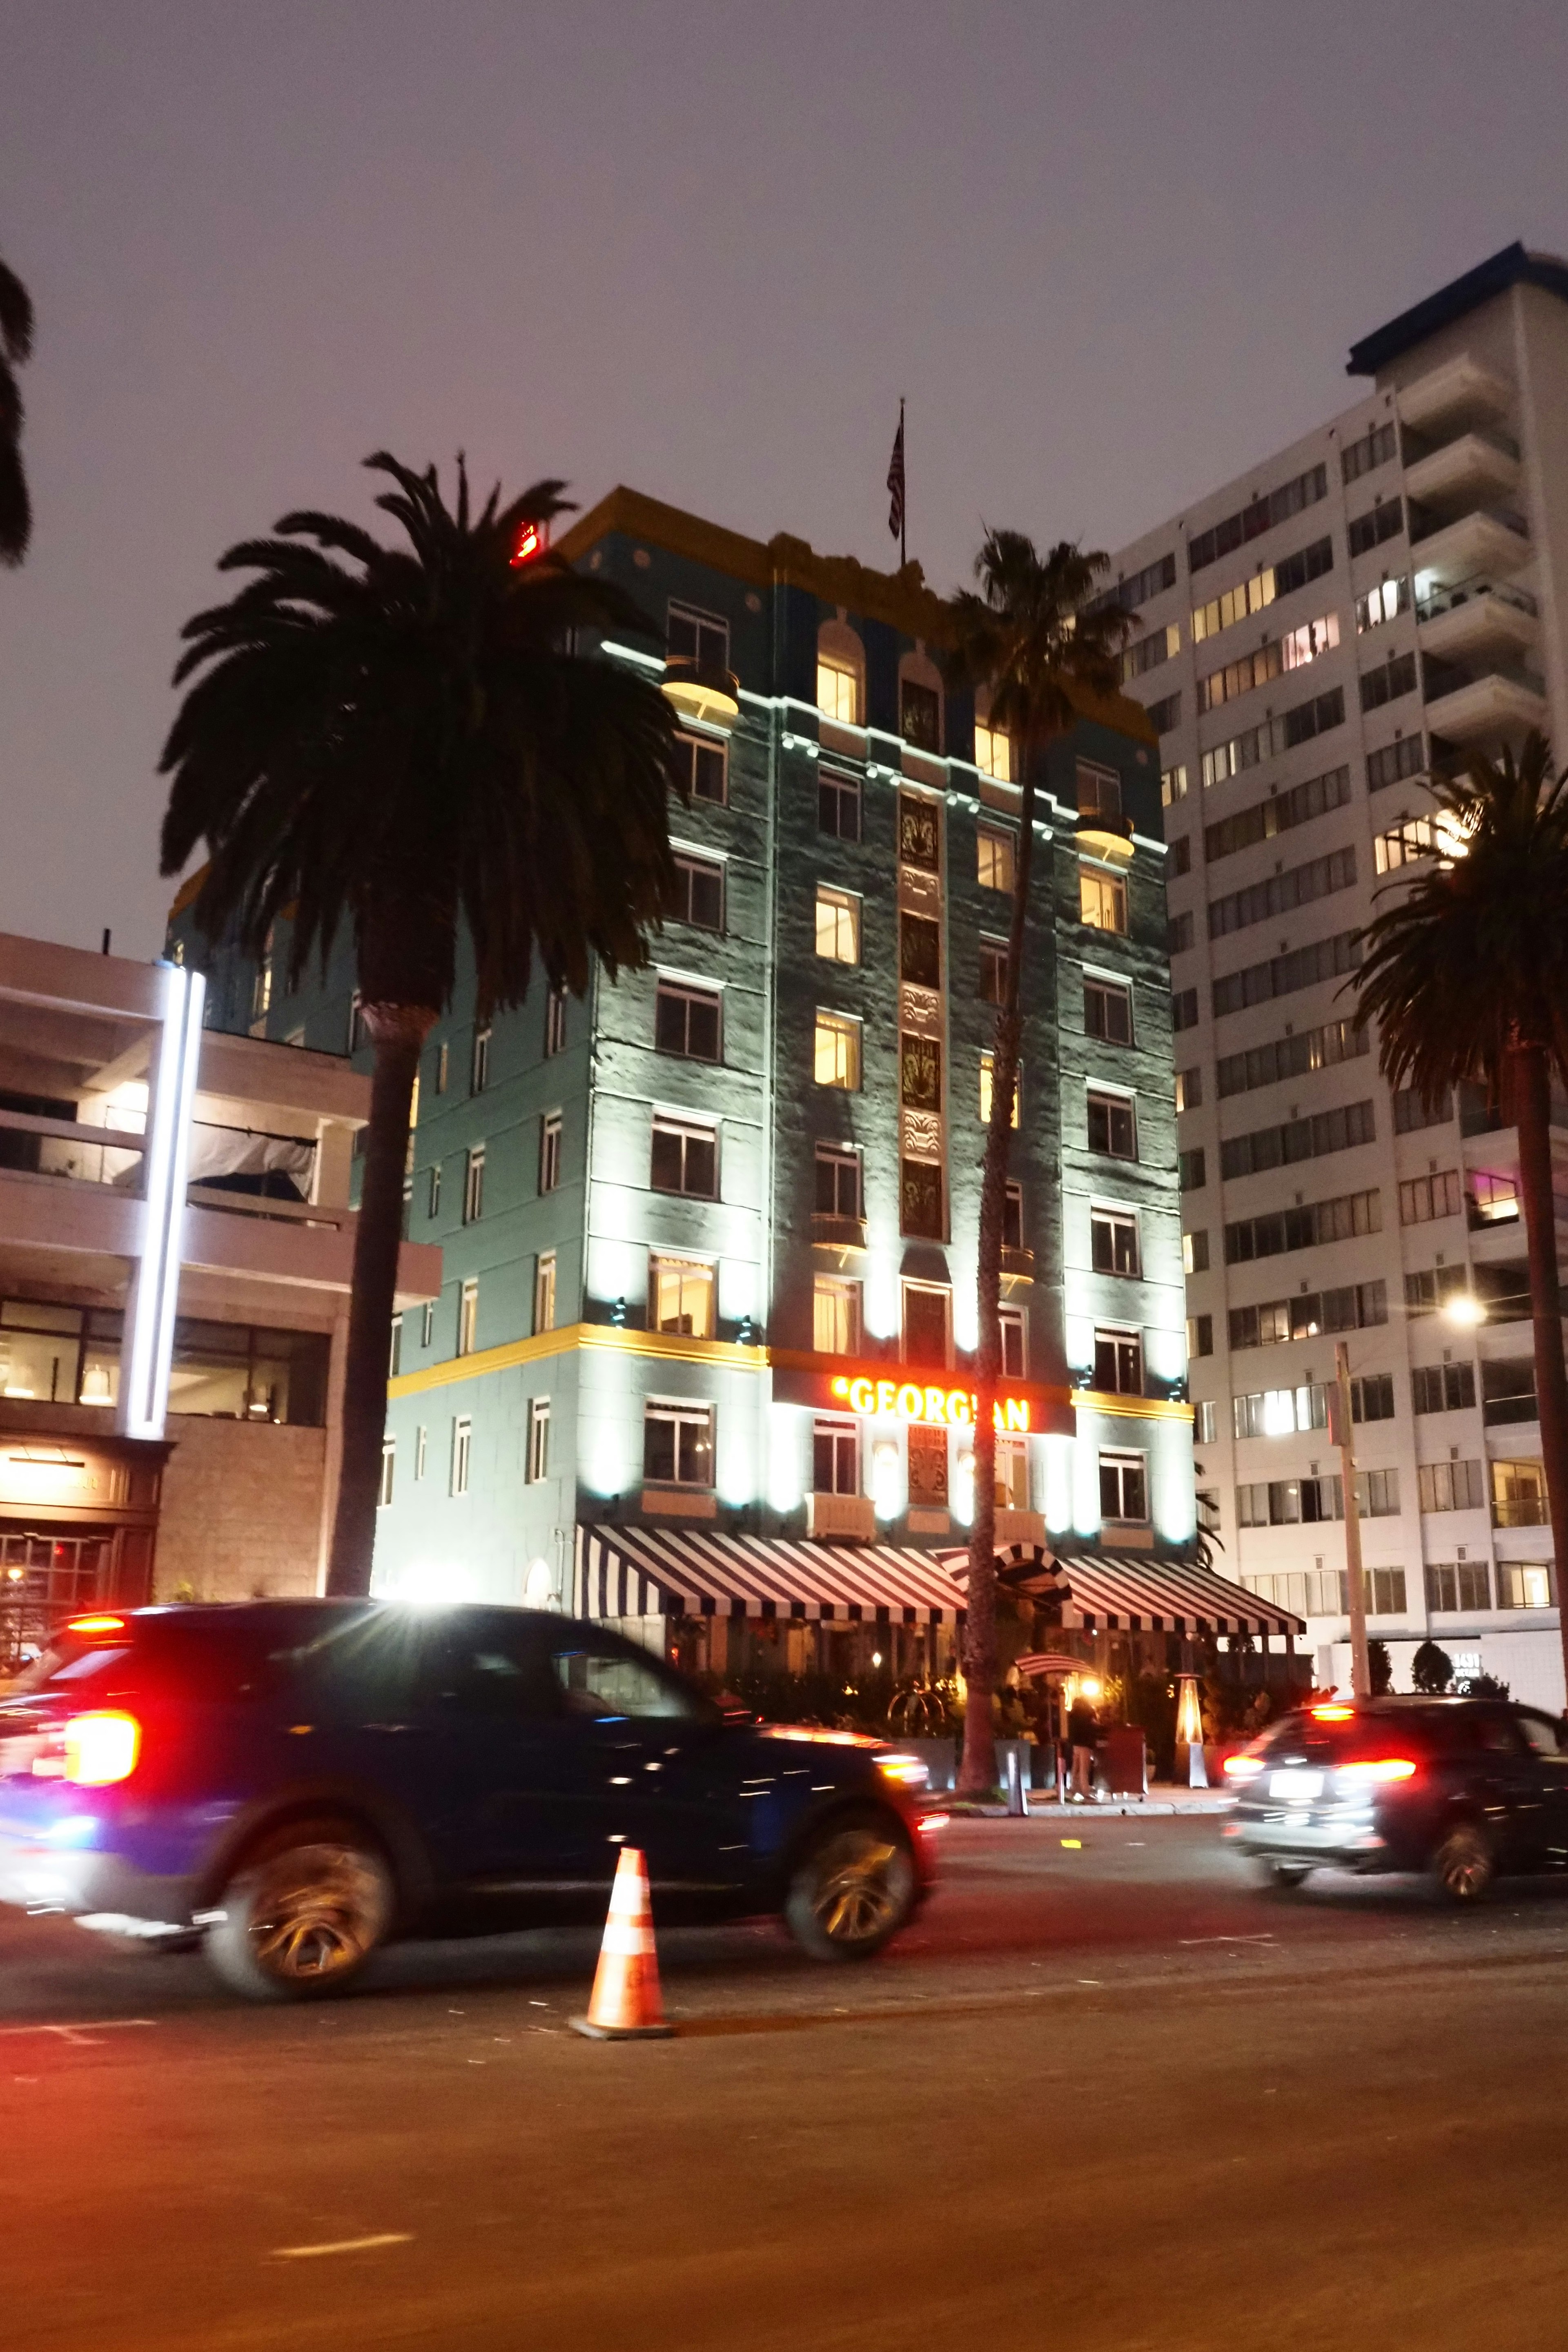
(1114,1241)
(1124,1488)
(1200,1335)
(1184,1008)
(685,1159)
(1014,1336)
(1108,1012)
(1119,1363)
(993,972)
(1166,713)
(925,1326)
(1282,975)
(702,767)
(677,1444)
(1181,855)
(1279,814)
(491,1668)
(701,638)
(837,1181)
(838,806)
(1112,1126)
(1443,1388)
(1385,521)
(919,715)
(1299,1139)
(1280,894)
(1388,681)
(836,1458)
(920,1200)
(920,834)
(686,1022)
(554,1021)
(1192,1171)
(1013,1216)
(700,892)
(1293,572)
(920,951)
(1364,457)
(1179,932)
(1258,516)
(1391,762)
(1371,1397)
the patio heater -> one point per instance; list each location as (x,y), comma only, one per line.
(1190,1730)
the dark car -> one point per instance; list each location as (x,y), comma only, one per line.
(1461,1789)
(293,1783)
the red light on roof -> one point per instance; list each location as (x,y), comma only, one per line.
(531,540)
(95,1625)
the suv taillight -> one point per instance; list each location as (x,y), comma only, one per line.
(1381,1767)
(91,1750)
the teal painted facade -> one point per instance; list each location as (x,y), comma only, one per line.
(752,1357)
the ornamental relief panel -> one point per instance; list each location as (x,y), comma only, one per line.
(919,1135)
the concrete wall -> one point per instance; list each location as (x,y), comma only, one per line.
(242,1510)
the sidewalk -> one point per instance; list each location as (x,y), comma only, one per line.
(1162,1797)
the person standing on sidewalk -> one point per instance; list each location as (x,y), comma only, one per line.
(1082,1727)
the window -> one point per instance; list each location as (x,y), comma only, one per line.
(1185,1009)
(837,1181)
(1391,762)
(837,805)
(922,1215)
(1384,603)
(1114,1241)
(1374,449)
(1424,1199)
(1260,515)
(421,1437)
(1124,1488)
(838,924)
(468,1317)
(987,1062)
(1519,1494)
(554,1021)
(394,1356)
(1179,932)
(836,1458)
(550,1151)
(699,891)
(1119,1363)
(544,1291)
(927,1457)
(1381,522)
(388,1468)
(1129,594)
(1112,1126)
(1181,855)
(1270,660)
(1012,1215)
(920,951)
(1205,1428)
(1189,1088)
(616,1686)
(926,1323)
(1520,1586)
(1306,1227)
(462,1447)
(685,1021)
(919,714)
(835,1315)
(356,1025)
(1011,1492)
(680,1296)
(1192,1170)
(443,1066)
(261,995)
(1443,1388)
(1301,724)
(702,769)
(1325,1132)
(837,693)
(474,1185)
(1458,1584)
(1434,1288)
(1281,1413)
(1172,785)
(1394,677)
(1371,1397)
(1452,1485)
(994,859)
(1015,1338)
(993,970)
(1357,1307)
(685,1159)
(538,1439)
(1384,1589)
(1106,1010)
(1166,713)
(1283,975)
(1102,900)
(479,1068)
(837,1051)
(993,752)
(1195,1252)
(695,636)
(920,833)
(1299,885)
(1098,790)
(1280,813)
(1200,1335)
(428,1324)
(677,1444)
(1295,1056)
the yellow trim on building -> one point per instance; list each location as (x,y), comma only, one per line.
(1130,1408)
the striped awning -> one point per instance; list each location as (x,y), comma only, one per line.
(642,1572)
(1127,1593)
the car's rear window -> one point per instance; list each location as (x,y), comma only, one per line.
(1319,1737)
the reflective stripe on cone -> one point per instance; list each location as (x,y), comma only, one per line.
(626,2004)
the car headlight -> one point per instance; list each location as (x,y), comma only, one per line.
(908,1771)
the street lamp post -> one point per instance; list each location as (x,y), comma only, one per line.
(1361,1672)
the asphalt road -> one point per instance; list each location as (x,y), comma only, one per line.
(1103,2097)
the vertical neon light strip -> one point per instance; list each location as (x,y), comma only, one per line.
(157,1287)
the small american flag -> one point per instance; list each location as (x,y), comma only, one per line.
(896,482)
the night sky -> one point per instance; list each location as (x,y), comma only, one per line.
(1111,254)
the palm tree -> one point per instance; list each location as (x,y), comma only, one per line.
(403,740)
(1465,974)
(15,347)
(1029,637)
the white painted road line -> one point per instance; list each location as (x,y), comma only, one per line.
(82,2033)
(342,2246)
(1188,1942)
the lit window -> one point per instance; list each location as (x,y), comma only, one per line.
(554,1021)
(388,1466)
(550,1151)
(685,1159)
(474,1185)
(994,858)
(462,1446)
(837,693)
(1189,1088)
(680,1296)
(395,1363)
(836,1053)
(1124,1488)
(835,1316)
(538,1439)
(1384,603)
(1102,900)
(838,924)
(986,1064)
(544,1291)
(699,892)
(1012,1474)
(677,1444)
(1172,785)
(1113,1126)
(836,1458)
(686,1022)
(921,1214)
(468,1317)
(993,752)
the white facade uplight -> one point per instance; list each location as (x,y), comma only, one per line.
(156,1285)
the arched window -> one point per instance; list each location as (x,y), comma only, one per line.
(920,701)
(840,674)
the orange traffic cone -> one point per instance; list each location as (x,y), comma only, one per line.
(626,2006)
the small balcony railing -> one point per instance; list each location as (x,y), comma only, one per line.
(1521,1511)
(1471,592)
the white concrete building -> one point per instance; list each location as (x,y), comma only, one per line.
(1374,601)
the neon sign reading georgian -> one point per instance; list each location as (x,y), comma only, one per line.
(903,1401)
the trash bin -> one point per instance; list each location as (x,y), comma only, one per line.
(1124,1762)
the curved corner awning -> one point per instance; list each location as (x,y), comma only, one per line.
(643,1573)
(1127,1593)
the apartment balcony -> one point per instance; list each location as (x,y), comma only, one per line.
(1520,1511)
(1462,390)
(1018,1264)
(1474,469)
(1497,705)
(838,1232)
(1489,543)
(1477,619)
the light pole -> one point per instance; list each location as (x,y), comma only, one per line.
(1360,1673)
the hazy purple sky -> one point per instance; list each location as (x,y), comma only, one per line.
(1110,252)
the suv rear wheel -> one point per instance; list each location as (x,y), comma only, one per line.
(852,1889)
(1464,1866)
(302,1914)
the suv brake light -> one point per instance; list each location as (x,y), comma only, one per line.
(1243,1767)
(1381,1767)
(95,1625)
(93,1750)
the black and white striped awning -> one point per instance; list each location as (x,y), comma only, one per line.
(1124,1592)
(640,1572)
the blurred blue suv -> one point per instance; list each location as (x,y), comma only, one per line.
(293,1784)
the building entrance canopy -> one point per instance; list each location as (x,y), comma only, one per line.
(634,1573)
(1121,1593)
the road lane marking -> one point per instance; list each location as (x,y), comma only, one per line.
(83,2034)
(342,2246)
(1188,1942)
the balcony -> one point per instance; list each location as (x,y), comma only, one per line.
(1475,470)
(1520,1511)
(1487,543)
(1502,704)
(851,1517)
(1025,1527)
(1474,618)
(702,690)
(1018,1264)
(838,1232)
(1462,390)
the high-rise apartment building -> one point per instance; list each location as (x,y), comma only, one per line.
(1366,608)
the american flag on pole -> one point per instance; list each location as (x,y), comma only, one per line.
(896,484)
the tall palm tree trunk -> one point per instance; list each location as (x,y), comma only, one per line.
(1532,1111)
(977,1771)
(399,1032)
